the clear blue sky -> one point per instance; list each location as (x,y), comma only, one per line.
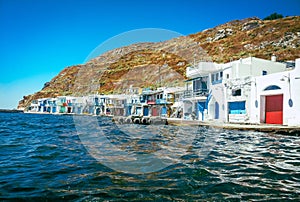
(38,38)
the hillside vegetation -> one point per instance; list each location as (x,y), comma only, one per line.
(164,63)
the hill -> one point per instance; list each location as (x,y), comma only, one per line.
(164,63)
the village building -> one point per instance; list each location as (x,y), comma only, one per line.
(241,92)
(249,90)
(276,98)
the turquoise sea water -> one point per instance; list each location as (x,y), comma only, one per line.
(47,157)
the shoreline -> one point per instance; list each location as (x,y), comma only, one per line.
(266,128)
(11,111)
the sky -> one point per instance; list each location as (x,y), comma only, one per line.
(39,38)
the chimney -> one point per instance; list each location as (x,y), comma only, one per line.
(273,58)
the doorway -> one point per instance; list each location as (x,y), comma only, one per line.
(274,109)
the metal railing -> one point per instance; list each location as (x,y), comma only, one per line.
(197,93)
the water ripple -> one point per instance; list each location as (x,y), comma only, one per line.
(43,158)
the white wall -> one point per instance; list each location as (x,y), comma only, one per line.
(293,113)
(245,84)
(258,65)
(290,88)
(253,93)
(218,95)
(263,82)
(254,66)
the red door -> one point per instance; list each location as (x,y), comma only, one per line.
(274,109)
(154,111)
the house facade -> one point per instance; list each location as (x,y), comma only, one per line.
(238,92)
(276,98)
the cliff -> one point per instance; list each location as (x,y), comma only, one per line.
(164,63)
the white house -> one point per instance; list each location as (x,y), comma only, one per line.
(34,106)
(65,104)
(223,92)
(276,98)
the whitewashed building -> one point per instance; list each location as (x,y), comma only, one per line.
(276,98)
(240,91)
(238,84)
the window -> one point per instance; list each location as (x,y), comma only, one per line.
(272,87)
(217,78)
(200,84)
(264,72)
(237,92)
(227,76)
(196,85)
(212,78)
(204,85)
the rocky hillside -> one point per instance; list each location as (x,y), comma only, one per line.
(164,63)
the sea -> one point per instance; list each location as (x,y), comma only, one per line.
(46,157)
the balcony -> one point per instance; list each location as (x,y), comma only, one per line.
(217,82)
(51,104)
(161,101)
(203,68)
(198,93)
(151,102)
(192,72)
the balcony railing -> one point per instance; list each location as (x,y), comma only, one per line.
(151,102)
(217,82)
(197,93)
(161,101)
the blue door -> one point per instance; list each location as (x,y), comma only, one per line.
(146,111)
(98,111)
(201,107)
(216,110)
(129,110)
(164,110)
